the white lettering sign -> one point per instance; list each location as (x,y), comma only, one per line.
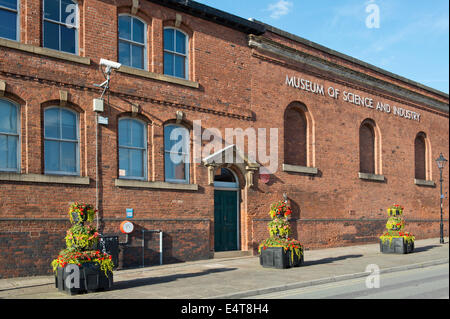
(350,97)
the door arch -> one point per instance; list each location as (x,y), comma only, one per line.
(226,210)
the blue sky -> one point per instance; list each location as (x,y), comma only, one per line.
(411,40)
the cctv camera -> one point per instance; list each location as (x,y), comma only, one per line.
(110,64)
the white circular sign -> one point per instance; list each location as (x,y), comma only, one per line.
(127,227)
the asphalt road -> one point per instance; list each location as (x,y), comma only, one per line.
(423,283)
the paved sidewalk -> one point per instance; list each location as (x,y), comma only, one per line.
(237,277)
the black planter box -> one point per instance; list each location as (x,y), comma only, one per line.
(92,279)
(277,257)
(397,246)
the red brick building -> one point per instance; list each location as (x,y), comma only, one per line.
(352,138)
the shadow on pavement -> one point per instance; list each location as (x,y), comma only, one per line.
(126,284)
(329,260)
(424,248)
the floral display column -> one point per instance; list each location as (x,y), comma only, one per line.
(81,267)
(396,240)
(279,250)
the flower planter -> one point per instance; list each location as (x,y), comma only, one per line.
(91,279)
(397,246)
(277,257)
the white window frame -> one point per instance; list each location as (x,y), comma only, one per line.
(187,157)
(119,39)
(77,141)
(17,20)
(186,56)
(19,143)
(145,149)
(59,23)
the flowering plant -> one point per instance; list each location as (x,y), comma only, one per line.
(73,256)
(82,236)
(280,209)
(81,241)
(280,229)
(395,226)
(84,212)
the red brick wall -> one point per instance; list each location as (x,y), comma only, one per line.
(236,90)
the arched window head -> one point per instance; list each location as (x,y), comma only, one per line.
(132,148)
(176,53)
(132,42)
(9,136)
(420,151)
(176,153)
(61,141)
(367,148)
(9,19)
(60,27)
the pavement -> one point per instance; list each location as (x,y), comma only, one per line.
(241,277)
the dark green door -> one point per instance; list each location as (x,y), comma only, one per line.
(225,220)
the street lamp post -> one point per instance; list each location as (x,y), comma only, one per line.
(441,161)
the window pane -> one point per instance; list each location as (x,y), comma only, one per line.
(69,157)
(137,133)
(51,123)
(180,66)
(12,4)
(125,27)
(12,143)
(68,12)
(169,39)
(124,160)
(168,63)
(174,168)
(69,125)
(138,56)
(51,154)
(51,35)
(181,42)
(8,117)
(3,152)
(68,39)
(138,31)
(124,53)
(124,136)
(180,171)
(137,163)
(51,9)
(8,25)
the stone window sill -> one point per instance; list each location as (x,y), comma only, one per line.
(422,182)
(158,77)
(38,178)
(44,51)
(155,185)
(371,177)
(300,169)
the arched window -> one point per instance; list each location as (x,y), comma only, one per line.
(60,27)
(176,153)
(295,137)
(366,148)
(9,19)
(176,53)
(9,136)
(132,149)
(420,157)
(61,141)
(132,42)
